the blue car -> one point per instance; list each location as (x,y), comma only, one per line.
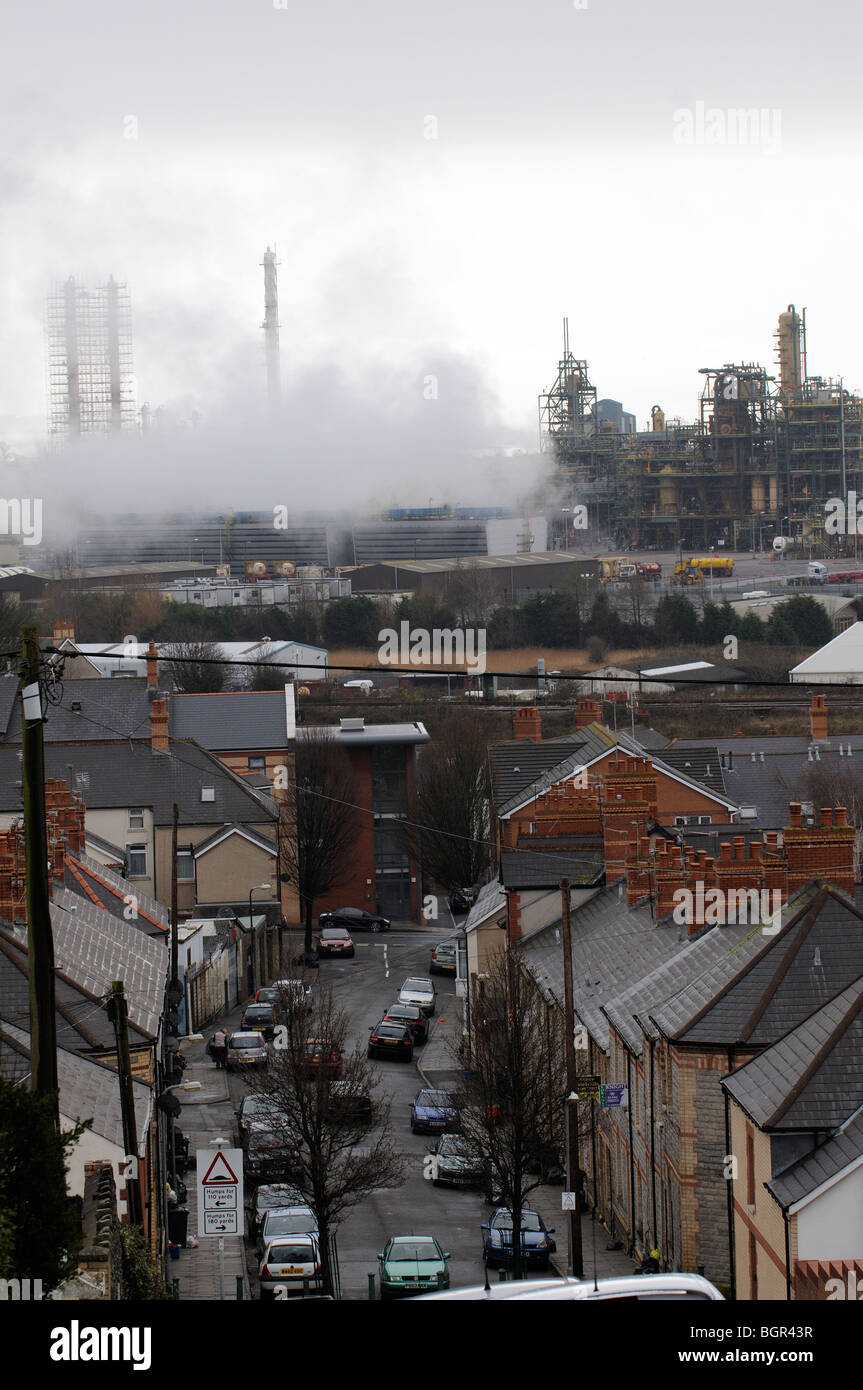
(433,1112)
(536,1242)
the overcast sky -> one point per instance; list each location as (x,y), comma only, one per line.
(558,182)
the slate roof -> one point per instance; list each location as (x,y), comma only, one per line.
(700,764)
(491,899)
(89,1090)
(99,884)
(109,709)
(541,869)
(8,692)
(110,774)
(817,953)
(805,1176)
(95,948)
(811,1078)
(240,719)
(81,1019)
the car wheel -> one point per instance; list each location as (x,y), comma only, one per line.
(375,926)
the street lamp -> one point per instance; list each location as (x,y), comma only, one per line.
(565,511)
(571,1099)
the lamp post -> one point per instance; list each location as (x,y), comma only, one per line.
(565,511)
(254,889)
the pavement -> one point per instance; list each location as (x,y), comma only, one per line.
(207,1114)
(437,1071)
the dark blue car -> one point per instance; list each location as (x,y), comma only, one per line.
(536,1242)
(432,1112)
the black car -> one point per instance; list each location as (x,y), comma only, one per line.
(458,1163)
(412,1016)
(354,918)
(462,899)
(260,1018)
(268,1155)
(391,1040)
(345,1105)
(253,1110)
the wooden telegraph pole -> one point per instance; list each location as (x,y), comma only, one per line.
(119,1017)
(570,1106)
(40,940)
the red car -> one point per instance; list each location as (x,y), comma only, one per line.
(335,941)
(316,1056)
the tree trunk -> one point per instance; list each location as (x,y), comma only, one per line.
(308,939)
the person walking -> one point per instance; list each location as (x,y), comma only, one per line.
(220,1048)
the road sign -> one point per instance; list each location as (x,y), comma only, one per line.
(567,1201)
(220,1192)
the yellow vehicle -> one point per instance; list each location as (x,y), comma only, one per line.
(692,571)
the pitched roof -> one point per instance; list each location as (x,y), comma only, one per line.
(811,1078)
(491,899)
(817,952)
(803,1178)
(840,660)
(89,1090)
(82,1022)
(767,773)
(541,869)
(700,764)
(8,702)
(236,719)
(103,709)
(110,890)
(108,775)
(95,948)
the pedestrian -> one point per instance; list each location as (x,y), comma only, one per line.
(220,1048)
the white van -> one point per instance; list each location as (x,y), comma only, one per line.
(641,1287)
(816,573)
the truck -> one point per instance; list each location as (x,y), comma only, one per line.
(695,569)
(614,567)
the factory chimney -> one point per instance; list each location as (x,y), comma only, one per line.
(271,328)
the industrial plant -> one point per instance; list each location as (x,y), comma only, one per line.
(760,462)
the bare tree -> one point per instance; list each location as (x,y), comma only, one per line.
(512,1100)
(840,785)
(451,817)
(341,1153)
(319,822)
(472,594)
(195,667)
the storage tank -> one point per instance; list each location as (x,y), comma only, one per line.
(283,567)
(256,569)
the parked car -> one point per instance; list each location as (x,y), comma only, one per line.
(432,1112)
(293,1265)
(462,899)
(293,991)
(355,919)
(458,1164)
(281,1222)
(418,990)
(346,1105)
(261,1018)
(268,1154)
(645,1288)
(317,1056)
(335,941)
(536,1242)
(391,1039)
(246,1050)
(411,1015)
(269,994)
(253,1110)
(412,1264)
(269,1197)
(444,959)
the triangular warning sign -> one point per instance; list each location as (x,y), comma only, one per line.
(219,1170)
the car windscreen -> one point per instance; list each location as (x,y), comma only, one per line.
(529,1221)
(438,1099)
(453,1146)
(414,1250)
(418,986)
(289,1223)
(334,934)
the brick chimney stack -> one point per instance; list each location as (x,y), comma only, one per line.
(159,726)
(587,712)
(818,719)
(63,629)
(527,723)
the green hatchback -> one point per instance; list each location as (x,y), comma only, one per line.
(412,1264)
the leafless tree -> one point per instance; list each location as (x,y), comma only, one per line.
(319,820)
(512,1100)
(194,667)
(842,785)
(472,594)
(451,821)
(340,1156)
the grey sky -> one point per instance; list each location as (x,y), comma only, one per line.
(554,186)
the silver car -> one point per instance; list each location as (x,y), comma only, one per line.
(419,990)
(290,1267)
(246,1050)
(674,1288)
(282,1222)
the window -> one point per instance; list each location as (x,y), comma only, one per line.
(185,866)
(257,764)
(208,793)
(136,861)
(136,818)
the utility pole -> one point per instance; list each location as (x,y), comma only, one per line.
(119,1017)
(174,913)
(40,940)
(575,1262)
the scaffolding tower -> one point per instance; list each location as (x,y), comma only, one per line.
(91,385)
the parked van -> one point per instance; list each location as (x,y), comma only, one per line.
(640,1287)
(816,573)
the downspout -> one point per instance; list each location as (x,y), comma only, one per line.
(653,1150)
(730,1189)
(787,1256)
(631,1155)
(592,1134)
